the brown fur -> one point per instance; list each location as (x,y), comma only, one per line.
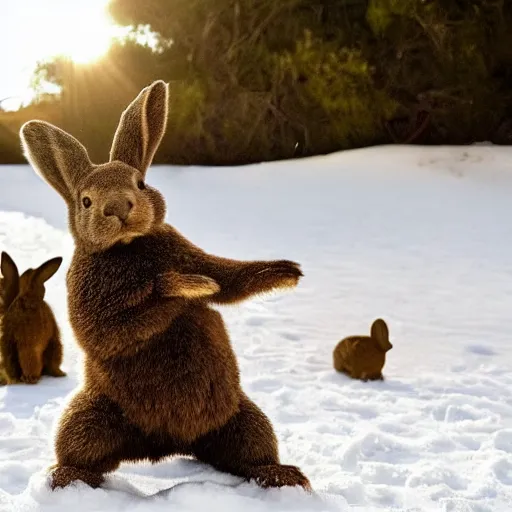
(161,377)
(3,306)
(10,283)
(3,301)
(30,343)
(363,357)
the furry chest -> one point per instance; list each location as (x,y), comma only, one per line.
(164,395)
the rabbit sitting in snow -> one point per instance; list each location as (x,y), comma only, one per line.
(30,341)
(363,357)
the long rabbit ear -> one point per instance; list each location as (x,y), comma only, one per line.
(47,269)
(56,156)
(380,331)
(142,127)
(11,282)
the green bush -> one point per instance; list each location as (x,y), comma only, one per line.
(338,83)
(255,80)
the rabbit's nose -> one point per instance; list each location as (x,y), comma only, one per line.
(120,208)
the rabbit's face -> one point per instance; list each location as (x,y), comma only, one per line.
(384,344)
(109,203)
(387,346)
(115,205)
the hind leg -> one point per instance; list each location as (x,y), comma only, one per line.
(94,437)
(247,447)
(31,364)
(52,358)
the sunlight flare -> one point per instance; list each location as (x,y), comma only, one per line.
(81,31)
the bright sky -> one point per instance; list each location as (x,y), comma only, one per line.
(32,30)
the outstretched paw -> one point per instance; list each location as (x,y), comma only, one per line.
(280,476)
(189,286)
(280,274)
(62,476)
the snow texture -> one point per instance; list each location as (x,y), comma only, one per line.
(419,236)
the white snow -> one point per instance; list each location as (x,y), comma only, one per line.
(419,236)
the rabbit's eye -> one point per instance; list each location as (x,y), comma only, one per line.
(140,185)
(86,202)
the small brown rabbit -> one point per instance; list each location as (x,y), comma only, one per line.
(30,341)
(363,357)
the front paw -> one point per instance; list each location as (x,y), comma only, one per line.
(189,286)
(30,379)
(281,274)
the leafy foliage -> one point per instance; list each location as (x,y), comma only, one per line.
(256,80)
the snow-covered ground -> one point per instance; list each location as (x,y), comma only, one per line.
(419,236)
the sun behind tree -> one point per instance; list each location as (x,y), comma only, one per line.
(81,31)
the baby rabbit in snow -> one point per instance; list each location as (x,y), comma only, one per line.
(29,341)
(363,357)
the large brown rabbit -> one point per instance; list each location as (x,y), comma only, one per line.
(30,343)
(363,357)
(161,377)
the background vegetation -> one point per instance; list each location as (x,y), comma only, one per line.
(255,80)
